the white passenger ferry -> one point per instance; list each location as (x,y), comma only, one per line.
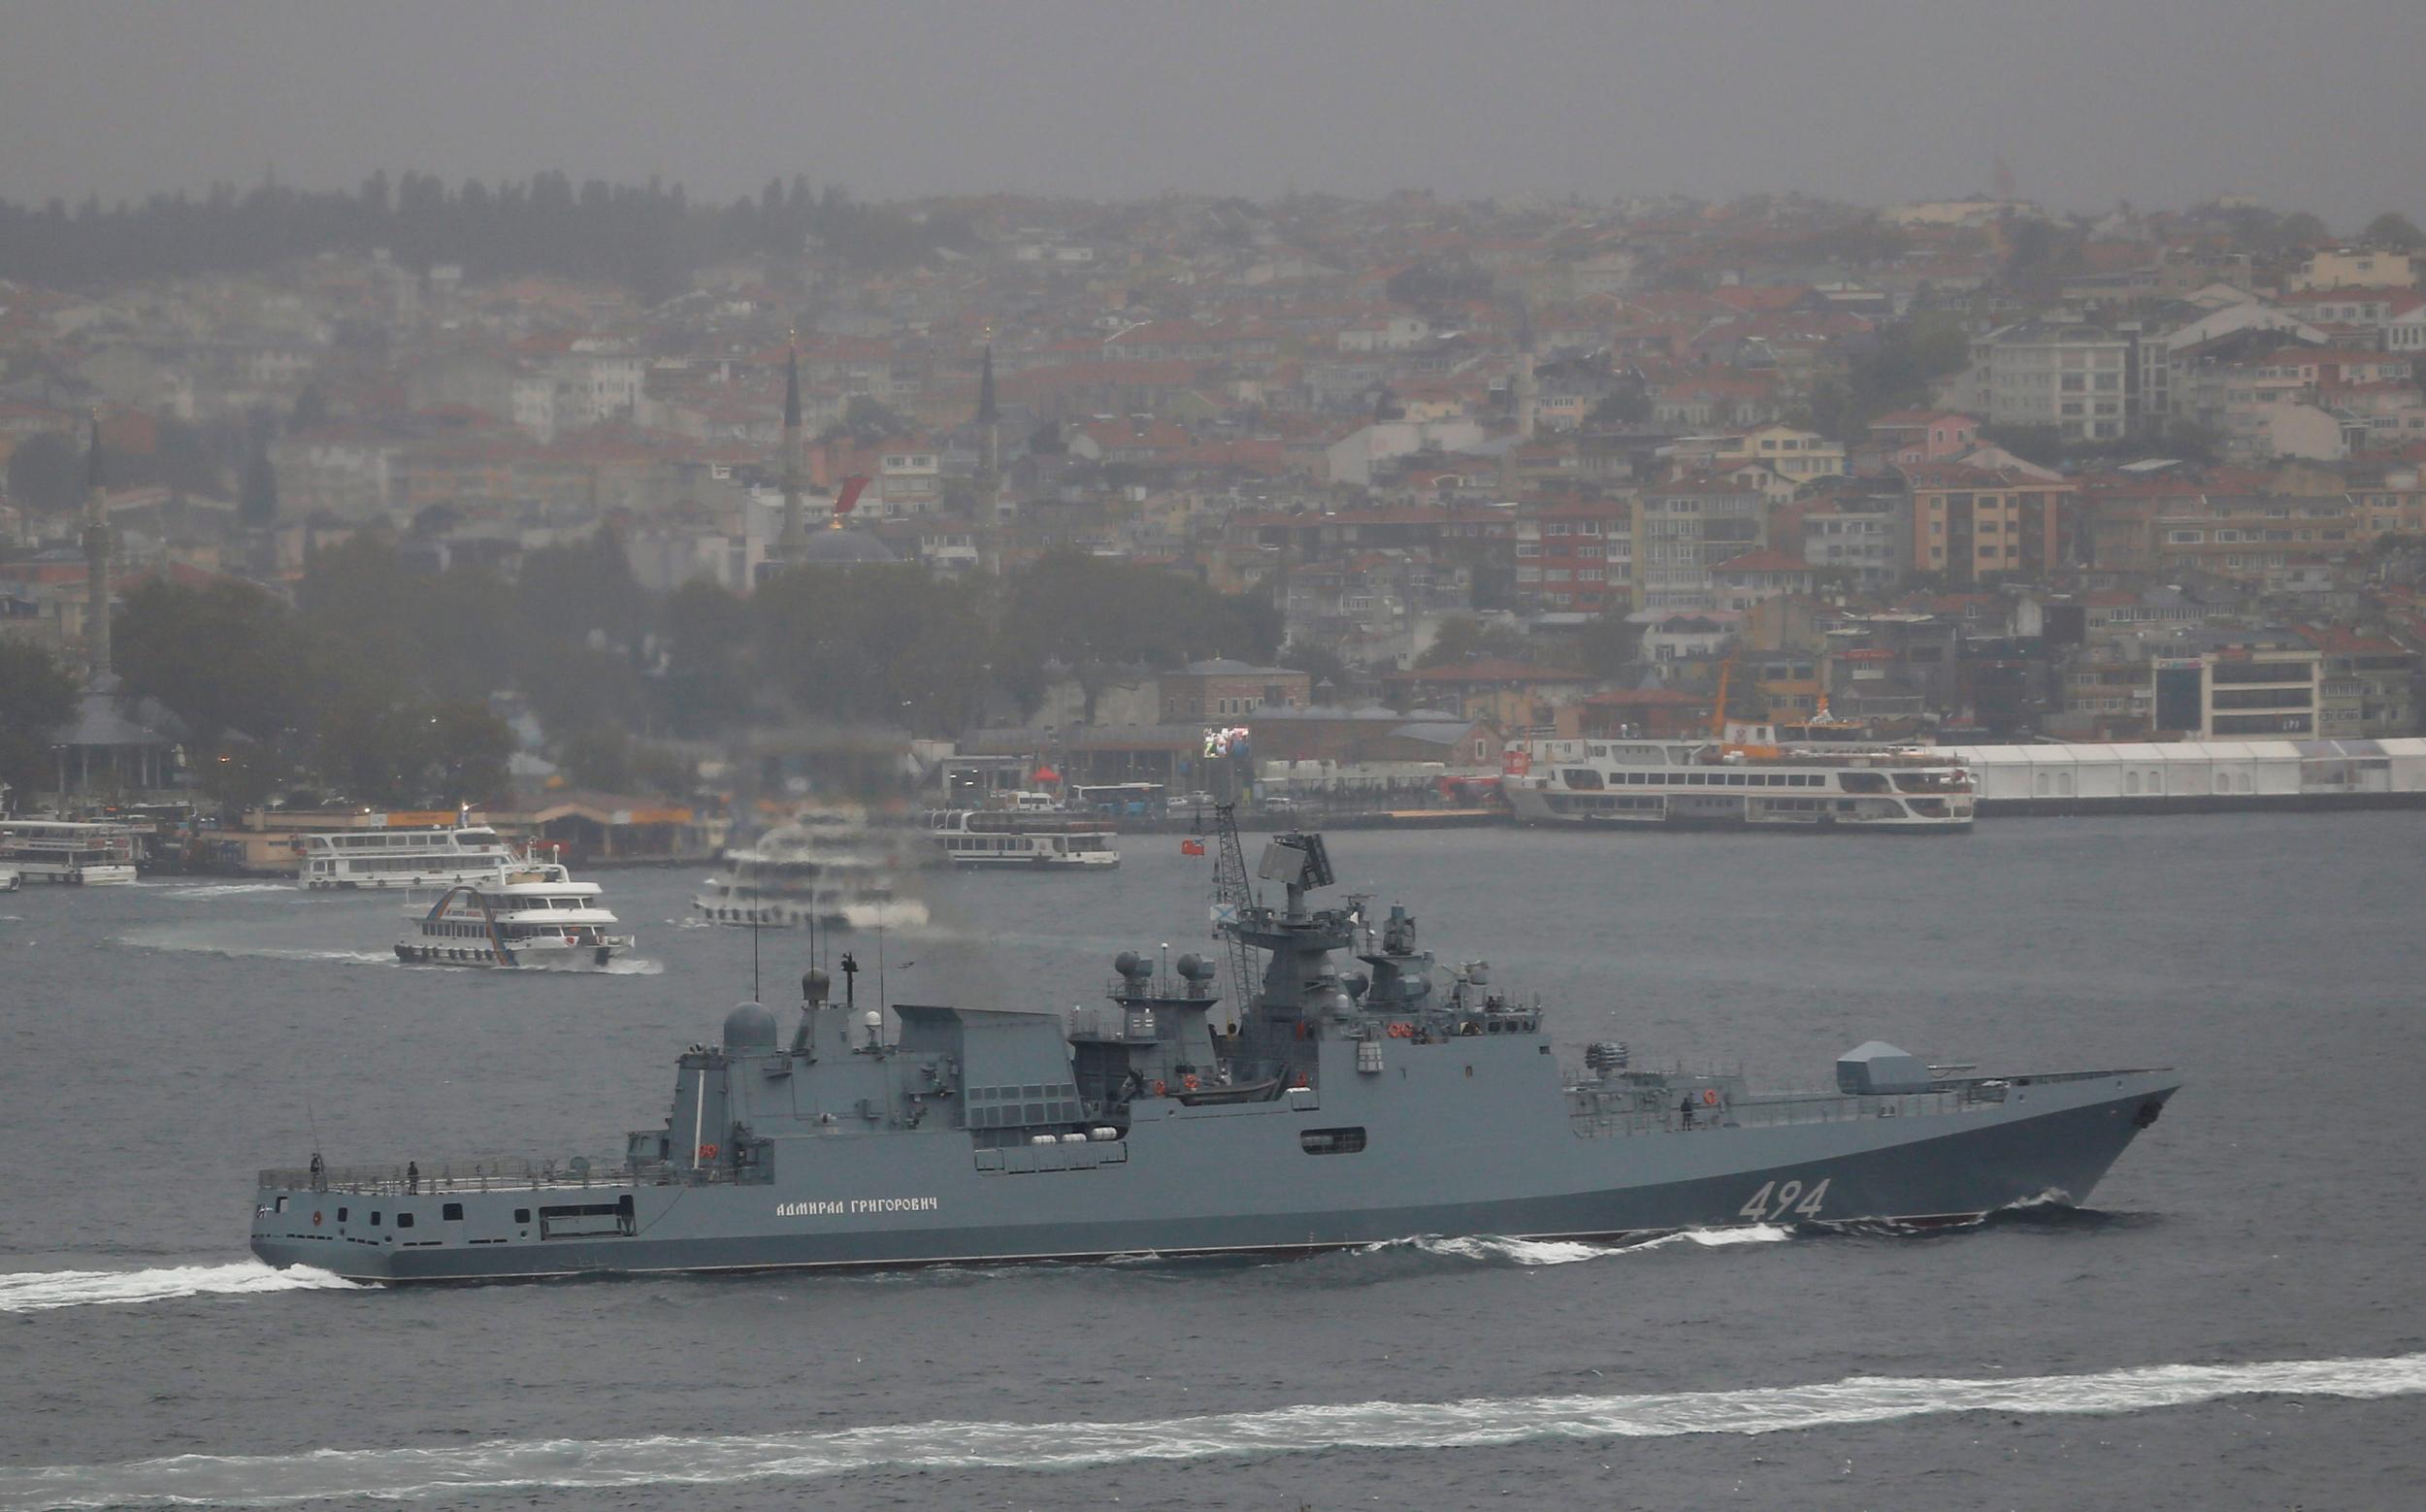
(1745,779)
(827,869)
(432,857)
(84,854)
(985,839)
(537,917)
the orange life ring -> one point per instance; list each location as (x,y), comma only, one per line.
(1710,1097)
(1159,1089)
(708,1152)
(1188,1082)
(315,1220)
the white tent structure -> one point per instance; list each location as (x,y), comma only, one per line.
(2196,774)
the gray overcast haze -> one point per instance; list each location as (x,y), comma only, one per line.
(2316,106)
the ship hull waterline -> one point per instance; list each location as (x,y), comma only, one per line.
(945,1213)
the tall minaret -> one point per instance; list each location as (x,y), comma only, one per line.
(1527,391)
(96,565)
(793,544)
(989,435)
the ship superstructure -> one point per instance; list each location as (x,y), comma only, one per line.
(1367,1092)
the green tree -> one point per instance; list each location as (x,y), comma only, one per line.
(1626,405)
(223,658)
(1608,644)
(1462,637)
(37,696)
(2394,230)
(468,745)
(704,685)
(46,473)
(569,591)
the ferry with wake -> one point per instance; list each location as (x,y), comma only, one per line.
(827,869)
(1358,1091)
(538,917)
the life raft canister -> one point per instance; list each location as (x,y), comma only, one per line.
(1710,1097)
(1188,1082)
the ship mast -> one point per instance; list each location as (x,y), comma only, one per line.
(1233,894)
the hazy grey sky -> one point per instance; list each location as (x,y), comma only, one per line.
(2317,105)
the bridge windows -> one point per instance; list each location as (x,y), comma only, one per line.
(452,1212)
(1331,1141)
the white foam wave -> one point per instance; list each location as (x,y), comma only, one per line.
(633,966)
(230,889)
(1567,1252)
(438,1473)
(39,1291)
(266,952)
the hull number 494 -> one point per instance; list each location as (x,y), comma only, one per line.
(1776,1199)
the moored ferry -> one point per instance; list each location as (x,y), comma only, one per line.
(79,853)
(979,840)
(537,917)
(440,856)
(1746,779)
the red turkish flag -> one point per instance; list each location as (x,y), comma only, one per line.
(848,500)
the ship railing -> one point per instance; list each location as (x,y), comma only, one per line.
(485,1173)
(1769,1111)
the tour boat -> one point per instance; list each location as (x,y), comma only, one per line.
(985,839)
(826,868)
(85,854)
(425,857)
(536,917)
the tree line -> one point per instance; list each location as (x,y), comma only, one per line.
(374,683)
(648,237)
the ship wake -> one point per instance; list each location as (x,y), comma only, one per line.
(449,1471)
(44,1290)
(1567,1252)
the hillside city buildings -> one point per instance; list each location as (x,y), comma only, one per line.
(1910,465)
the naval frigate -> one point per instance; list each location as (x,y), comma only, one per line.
(1363,1092)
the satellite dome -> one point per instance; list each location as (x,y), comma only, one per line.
(749,1026)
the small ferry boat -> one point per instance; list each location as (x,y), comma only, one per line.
(826,868)
(537,917)
(1746,779)
(421,857)
(987,840)
(79,853)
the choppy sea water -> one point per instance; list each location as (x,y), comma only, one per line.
(2237,1319)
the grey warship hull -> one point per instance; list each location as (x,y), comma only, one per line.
(1331,1107)
(1211,1179)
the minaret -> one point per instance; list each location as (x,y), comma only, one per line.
(96,565)
(1527,392)
(989,437)
(793,545)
